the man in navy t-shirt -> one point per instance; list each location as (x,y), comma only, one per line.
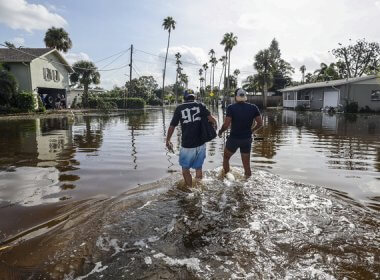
(193,150)
(240,116)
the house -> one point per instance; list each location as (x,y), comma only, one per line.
(363,90)
(78,92)
(43,71)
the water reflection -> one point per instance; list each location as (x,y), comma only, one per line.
(99,154)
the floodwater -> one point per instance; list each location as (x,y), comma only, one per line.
(70,208)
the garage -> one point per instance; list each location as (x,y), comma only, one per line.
(53,98)
(331,98)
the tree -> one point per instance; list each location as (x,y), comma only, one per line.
(58,38)
(326,73)
(200,78)
(9,45)
(223,59)
(8,87)
(229,41)
(205,67)
(143,87)
(273,72)
(85,74)
(178,71)
(169,25)
(358,59)
(303,70)
(184,79)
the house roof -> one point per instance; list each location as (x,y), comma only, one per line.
(329,83)
(22,55)
(29,54)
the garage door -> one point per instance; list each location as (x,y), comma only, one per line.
(330,98)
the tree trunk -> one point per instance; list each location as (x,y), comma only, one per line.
(85,96)
(204,92)
(176,88)
(163,78)
(265,93)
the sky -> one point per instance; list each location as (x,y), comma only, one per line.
(307,30)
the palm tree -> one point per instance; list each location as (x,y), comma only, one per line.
(205,67)
(169,25)
(178,62)
(58,38)
(211,53)
(85,73)
(303,70)
(223,59)
(200,78)
(229,41)
(9,45)
(184,79)
(263,65)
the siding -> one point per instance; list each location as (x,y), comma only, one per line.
(22,75)
(38,80)
(361,93)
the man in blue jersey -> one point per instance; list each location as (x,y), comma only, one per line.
(241,117)
(193,150)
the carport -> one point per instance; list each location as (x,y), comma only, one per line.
(53,98)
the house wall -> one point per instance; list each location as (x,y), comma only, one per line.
(316,98)
(38,80)
(22,75)
(361,93)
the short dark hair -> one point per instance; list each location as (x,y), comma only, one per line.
(189,97)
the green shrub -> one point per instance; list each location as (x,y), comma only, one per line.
(106,106)
(41,106)
(366,109)
(351,107)
(300,108)
(135,103)
(8,87)
(25,101)
(154,101)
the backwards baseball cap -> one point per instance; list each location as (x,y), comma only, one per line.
(240,95)
(188,94)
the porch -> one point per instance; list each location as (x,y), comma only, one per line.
(293,99)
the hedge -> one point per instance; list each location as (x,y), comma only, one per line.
(115,102)
(25,101)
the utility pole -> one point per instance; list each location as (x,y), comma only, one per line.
(130,76)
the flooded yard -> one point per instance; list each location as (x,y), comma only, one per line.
(315,176)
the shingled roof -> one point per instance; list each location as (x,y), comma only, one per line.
(21,55)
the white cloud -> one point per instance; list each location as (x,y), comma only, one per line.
(74,57)
(18,41)
(377,4)
(19,14)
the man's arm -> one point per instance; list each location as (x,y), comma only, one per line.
(225,126)
(212,120)
(258,124)
(169,144)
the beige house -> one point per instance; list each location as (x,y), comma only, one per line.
(43,71)
(365,91)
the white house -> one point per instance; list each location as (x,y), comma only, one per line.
(43,71)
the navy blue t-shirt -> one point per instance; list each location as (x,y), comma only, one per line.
(190,114)
(242,115)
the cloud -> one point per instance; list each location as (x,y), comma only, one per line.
(74,57)
(377,4)
(19,14)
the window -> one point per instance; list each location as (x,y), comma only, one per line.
(375,95)
(51,75)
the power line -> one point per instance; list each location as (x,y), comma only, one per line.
(123,51)
(64,64)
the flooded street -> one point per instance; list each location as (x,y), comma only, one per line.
(70,208)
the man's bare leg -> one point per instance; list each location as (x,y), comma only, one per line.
(198,174)
(246,159)
(226,160)
(187,176)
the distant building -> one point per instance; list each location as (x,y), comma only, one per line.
(43,71)
(363,90)
(78,93)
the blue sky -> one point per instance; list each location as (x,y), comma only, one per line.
(306,30)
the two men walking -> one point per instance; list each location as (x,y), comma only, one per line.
(240,116)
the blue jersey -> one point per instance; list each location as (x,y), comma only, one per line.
(242,115)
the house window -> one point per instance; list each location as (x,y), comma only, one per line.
(51,75)
(375,95)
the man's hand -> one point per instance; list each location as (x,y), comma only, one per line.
(169,145)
